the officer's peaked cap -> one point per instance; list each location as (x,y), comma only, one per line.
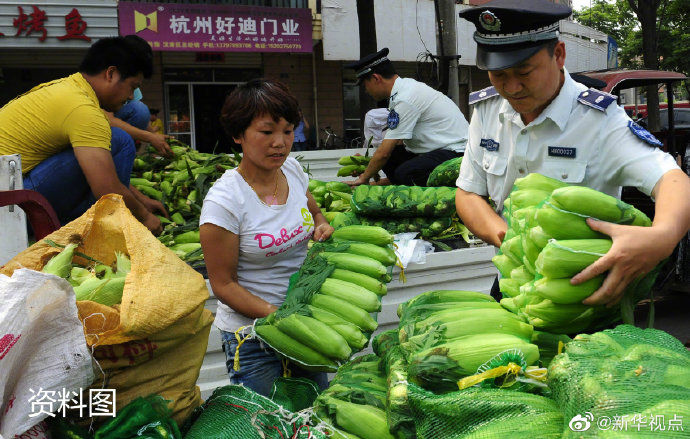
(369,63)
(510,31)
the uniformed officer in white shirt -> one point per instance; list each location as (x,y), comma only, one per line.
(535,118)
(432,126)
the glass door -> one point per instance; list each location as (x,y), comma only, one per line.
(180,112)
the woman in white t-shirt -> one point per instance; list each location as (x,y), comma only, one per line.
(255,224)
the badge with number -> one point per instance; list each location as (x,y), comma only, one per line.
(393,120)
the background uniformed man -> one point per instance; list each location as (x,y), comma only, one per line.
(431,125)
(535,118)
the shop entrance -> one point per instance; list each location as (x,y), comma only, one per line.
(193,112)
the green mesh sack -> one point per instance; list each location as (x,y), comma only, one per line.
(355,401)
(237,412)
(445,174)
(481,413)
(403,201)
(384,341)
(623,382)
(294,394)
(398,412)
(426,227)
(147,417)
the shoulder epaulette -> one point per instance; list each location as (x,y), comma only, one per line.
(481,95)
(596,99)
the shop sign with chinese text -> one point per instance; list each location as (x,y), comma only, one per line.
(204,27)
(58,23)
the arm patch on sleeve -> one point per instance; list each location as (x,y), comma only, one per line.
(643,134)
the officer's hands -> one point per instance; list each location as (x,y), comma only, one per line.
(360,180)
(634,253)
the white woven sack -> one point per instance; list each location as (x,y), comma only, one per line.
(42,347)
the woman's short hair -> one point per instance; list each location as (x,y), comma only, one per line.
(257,97)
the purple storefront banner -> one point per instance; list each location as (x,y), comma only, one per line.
(217,28)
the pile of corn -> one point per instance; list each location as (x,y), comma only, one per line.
(548,242)
(332,197)
(353,165)
(96,282)
(181,183)
(354,405)
(405,209)
(326,316)
(639,378)
(447,335)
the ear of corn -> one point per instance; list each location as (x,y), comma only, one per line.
(359,264)
(521,275)
(316,335)
(564,225)
(365,421)
(294,349)
(455,313)
(590,202)
(123,264)
(104,291)
(538,182)
(360,279)
(61,264)
(539,237)
(352,293)
(474,323)
(348,330)
(370,234)
(464,355)
(513,249)
(562,292)
(560,259)
(384,255)
(527,197)
(504,264)
(346,310)
(509,287)
(530,249)
(78,275)
(549,311)
(509,304)
(188,237)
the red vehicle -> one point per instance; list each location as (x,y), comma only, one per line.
(676,142)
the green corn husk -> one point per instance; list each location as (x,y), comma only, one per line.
(564,225)
(562,292)
(349,331)
(538,182)
(566,258)
(61,264)
(316,335)
(104,291)
(78,275)
(123,264)
(509,287)
(504,264)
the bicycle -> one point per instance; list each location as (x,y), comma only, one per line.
(332,140)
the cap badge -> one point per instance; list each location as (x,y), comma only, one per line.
(489,21)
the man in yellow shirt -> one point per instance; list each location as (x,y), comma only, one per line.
(69,152)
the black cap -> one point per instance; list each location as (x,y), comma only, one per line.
(510,31)
(369,64)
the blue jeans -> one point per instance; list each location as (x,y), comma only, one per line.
(260,365)
(135,113)
(60,179)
